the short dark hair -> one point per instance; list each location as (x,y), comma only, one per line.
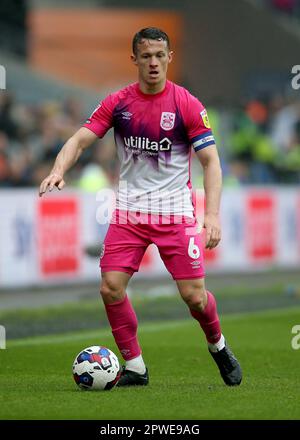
(150,33)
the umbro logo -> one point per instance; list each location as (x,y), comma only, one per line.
(125,351)
(126,115)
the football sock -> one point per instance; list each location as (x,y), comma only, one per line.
(209,319)
(137,364)
(218,345)
(123,322)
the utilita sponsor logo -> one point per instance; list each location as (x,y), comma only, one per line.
(142,143)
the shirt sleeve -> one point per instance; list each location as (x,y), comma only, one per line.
(101,120)
(197,124)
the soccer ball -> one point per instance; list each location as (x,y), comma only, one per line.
(96,368)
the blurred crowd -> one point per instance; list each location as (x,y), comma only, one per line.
(259,143)
(31,137)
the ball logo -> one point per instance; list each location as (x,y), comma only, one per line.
(105,362)
(167,120)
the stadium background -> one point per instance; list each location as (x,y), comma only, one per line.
(61,58)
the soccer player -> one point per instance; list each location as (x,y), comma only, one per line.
(156,123)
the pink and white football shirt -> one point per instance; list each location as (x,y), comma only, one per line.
(154,134)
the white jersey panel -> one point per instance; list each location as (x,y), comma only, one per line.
(164,190)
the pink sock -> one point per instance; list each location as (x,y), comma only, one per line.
(123,322)
(209,319)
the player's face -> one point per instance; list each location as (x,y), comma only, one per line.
(152,60)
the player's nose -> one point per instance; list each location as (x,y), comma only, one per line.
(153,62)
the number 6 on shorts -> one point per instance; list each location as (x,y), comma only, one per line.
(193,249)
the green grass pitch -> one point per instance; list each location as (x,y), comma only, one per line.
(36,380)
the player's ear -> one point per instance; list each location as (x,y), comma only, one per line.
(133,59)
(171,53)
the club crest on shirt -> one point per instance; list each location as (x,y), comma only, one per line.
(167,120)
(205,119)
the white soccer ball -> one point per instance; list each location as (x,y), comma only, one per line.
(96,368)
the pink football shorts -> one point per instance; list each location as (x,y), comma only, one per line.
(129,234)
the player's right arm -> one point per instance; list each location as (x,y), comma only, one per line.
(66,158)
(95,127)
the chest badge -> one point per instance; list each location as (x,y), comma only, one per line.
(167,120)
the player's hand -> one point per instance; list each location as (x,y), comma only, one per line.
(213,230)
(50,182)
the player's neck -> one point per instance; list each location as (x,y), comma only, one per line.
(152,89)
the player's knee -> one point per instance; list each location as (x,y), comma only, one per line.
(197,302)
(195,296)
(111,291)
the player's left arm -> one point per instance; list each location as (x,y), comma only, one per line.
(212,182)
(202,140)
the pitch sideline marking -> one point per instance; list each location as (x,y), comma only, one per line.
(147,328)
